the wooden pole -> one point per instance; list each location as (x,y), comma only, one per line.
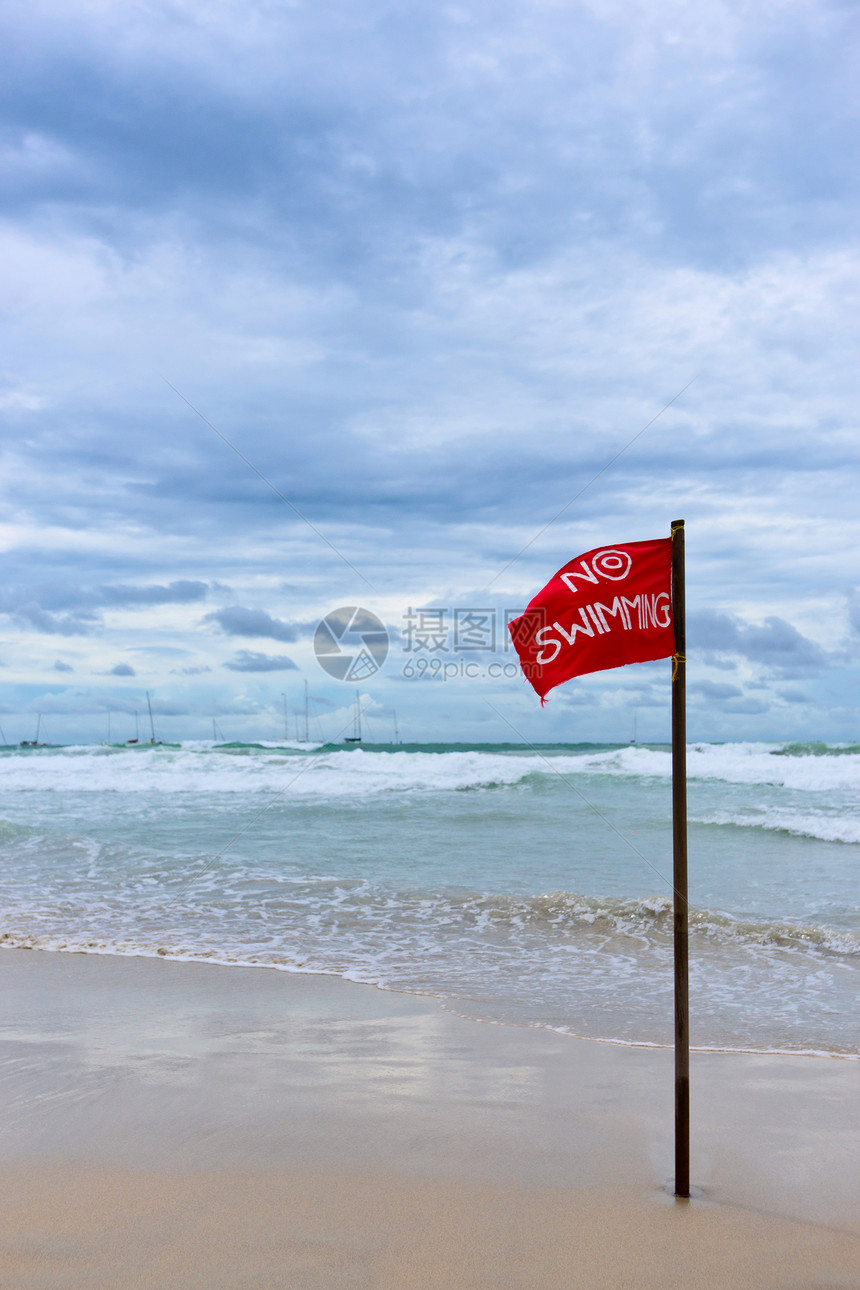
(679,868)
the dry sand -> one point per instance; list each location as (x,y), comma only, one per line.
(170,1125)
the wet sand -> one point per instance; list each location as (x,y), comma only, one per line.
(180,1125)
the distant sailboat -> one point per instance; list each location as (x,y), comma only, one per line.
(355,737)
(136,731)
(306,738)
(34,743)
(153,739)
(396,731)
(635,715)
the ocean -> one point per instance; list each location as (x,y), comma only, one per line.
(516,886)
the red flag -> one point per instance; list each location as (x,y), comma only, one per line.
(606,608)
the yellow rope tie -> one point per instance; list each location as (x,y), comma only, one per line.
(676,659)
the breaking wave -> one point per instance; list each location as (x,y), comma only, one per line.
(329,772)
(152,851)
(804,824)
(214,928)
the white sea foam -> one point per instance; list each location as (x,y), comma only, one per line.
(594,967)
(455,872)
(183,770)
(806,824)
(737,763)
(301,772)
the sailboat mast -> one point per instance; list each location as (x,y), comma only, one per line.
(355,737)
(307,715)
(151,722)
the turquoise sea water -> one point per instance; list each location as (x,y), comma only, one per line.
(517,885)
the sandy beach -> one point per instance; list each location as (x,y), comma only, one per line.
(185,1125)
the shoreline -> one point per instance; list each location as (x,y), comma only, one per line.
(245,1128)
(446,1003)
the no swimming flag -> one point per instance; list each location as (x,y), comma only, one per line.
(611,606)
(604,609)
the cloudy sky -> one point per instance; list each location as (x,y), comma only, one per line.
(428,268)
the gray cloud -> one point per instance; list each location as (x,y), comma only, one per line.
(66,609)
(51,624)
(249,661)
(181,592)
(429,272)
(716,690)
(237,621)
(522,122)
(775,644)
(69,595)
(748,707)
(122,669)
(793,695)
(169,708)
(579,697)
(854,612)
(60,666)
